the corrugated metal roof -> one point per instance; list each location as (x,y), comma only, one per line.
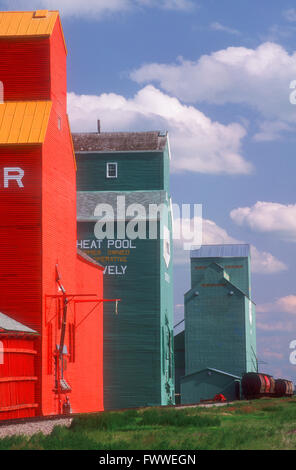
(27,23)
(24,122)
(10,325)
(221,251)
(87,201)
(119,141)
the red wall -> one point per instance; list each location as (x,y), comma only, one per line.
(38,231)
(20,237)
(58,68)
(17,378)
(59,235)
(25,69)
(89,341)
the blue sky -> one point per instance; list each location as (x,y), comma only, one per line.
(216,74)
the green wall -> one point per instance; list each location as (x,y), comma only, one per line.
(217,327)
(138,342)
(205,384)
(166,317)
(179,350)
(250,327)
(237,268)
(134,366)
(137,171)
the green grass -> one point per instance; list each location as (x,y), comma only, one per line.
(259,424)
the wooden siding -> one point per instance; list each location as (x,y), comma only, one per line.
(136,171)
(25,69)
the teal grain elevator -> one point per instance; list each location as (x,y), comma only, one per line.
(129,173)
(220,329)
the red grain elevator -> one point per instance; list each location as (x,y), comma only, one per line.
(44,283)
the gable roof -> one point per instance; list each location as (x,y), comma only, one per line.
(27,23)
(24,122)
(226,282)
(221,251)
(88,200)
(225,278)
(10,326)
(216,371)
(119,141)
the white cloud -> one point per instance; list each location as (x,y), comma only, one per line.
(216,26)
(94,9)
(272,130)
(288,303)
(277,33)
(198,144)
(89,8)
(268,217)
(259,78)
(285,304)
(262,262)
(175,4)
(290,15)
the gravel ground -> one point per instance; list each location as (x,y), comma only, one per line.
(29,429)
(203,405)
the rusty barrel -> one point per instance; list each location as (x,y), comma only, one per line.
(254,384)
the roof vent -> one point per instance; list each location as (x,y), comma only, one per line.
(162,133)
(40,13)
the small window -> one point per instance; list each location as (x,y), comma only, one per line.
(111,170)
(59,123)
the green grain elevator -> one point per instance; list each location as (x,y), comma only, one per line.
(138,339)
(220,329)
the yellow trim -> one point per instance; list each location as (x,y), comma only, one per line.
(27,23)
(24,122)
(73,151)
